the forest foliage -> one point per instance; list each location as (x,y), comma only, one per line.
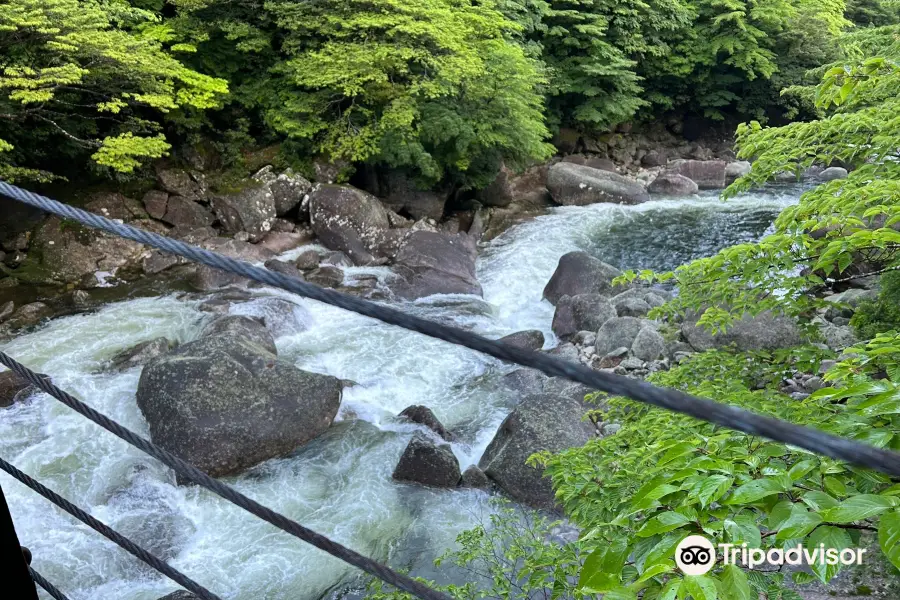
(446,89)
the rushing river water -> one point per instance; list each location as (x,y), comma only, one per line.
(339,484)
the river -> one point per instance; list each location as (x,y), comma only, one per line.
(339,484)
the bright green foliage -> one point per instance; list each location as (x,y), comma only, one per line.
(872,318)
(664,476)
(509,557)
(839,230)
(84,75)
(429,84)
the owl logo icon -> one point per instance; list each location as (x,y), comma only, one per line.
(695,555)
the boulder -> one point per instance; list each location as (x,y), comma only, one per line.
(578,185)
(207,278)
(616,333)
(474,478)
(708,174)
(288,189)
(631,307)
(762,332)
(736,169)
(566,351)
(243,327)
(115,206)
(347,219)
(672,184)
(179,182)
(425,416)
(277,314)
(582,312)
(540,422)
(832,173)
(527,189)
(282,241)
(15,389)
(532,339)
(435,263)
(404,196)
(140,355)
(225,403)
(284,268)
(594,162)
(326,276)
(156,203)
(251,209)
(179,595)
(838,337)
(427,463)
(307,260)
(6,310)
(186,215)
(648,345)
(580,273)
(69,252)
(654,158)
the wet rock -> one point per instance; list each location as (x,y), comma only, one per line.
(648,345)
(336,259)
(186,214)
(179,595)
(225,403)
(532,339)
(427,463)
(284,268)
(140,355)
(673,184)
(474,478)
(68,251)
(402,194)
(632,307)
(581,312)
(15,389)
(156,203)
(326,276)
(347,219)
(279,241)
(616,333)
(762,332)
(580,273)
(736,169)
(6,309)
(251,209)
(707,174)
(207,278)
(425,416)
(284,226)
(431,263)
(115,206)
(307,260)
(832,173)
(242,327)
(578,185)
(181,183)
(29,315)
(279,315)
(288,189)
(540,422)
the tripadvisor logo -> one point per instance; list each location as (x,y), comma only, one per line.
(696,555)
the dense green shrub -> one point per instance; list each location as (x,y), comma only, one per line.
(872,318)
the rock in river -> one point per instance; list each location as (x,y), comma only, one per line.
(427,463)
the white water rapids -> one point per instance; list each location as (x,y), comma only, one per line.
(339,484)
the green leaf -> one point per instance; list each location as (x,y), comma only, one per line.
(830,537)
(889,536)
(859,507)
(758,489)
(734,584)
(712,488)
(799,523)
(663,523)
(700,587)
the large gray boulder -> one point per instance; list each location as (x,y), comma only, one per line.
(348,219)
(14,389)
(402,194)
(423,415)
(141,354)
(179,595)
(580,273)
(579,185)
(427,463)
(186,215)
(207,278)
(225,403)
(288,189)
(179,182)
(527,189)
(583,312)
(243,327)
(648,345)
(762,332)
(251,209)
(531,339)
(618,333)
(673,184)
(708,174)
(832,173)
(540,422)
(431,263)
(737,169)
